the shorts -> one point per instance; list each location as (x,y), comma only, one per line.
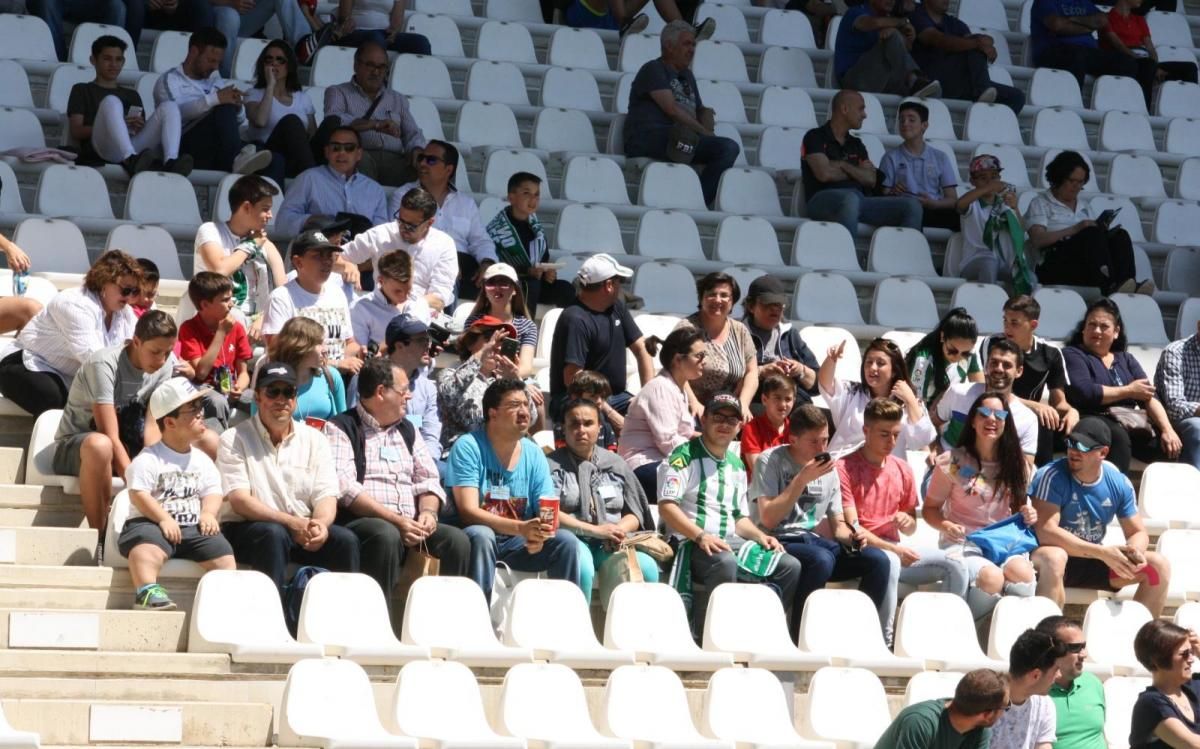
(66,454)
(1086,573)
(192,545)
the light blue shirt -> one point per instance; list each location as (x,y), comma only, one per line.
(423,412)
(1086,509)
(924,174)
(322,191)
(473,462)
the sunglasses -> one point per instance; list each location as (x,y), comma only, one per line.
(405,226)
(999,414)
(432,160)
(280,391)
(272,59)
(128,291)
(1075,648)
(343,147)
(1079,446)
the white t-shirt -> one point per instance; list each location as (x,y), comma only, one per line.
(251,282)
(301,106)
(1026,725)
(371,14)
(847,403)
(177,481)
(956,402)
(329,308)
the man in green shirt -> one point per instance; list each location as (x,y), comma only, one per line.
(1078,696)
(980,698)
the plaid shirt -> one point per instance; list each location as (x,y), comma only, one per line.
(394,477)
(348,103)
(1178,378)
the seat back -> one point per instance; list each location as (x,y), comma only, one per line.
(988,14)
(1110,627)
(787,107)
(150,242)
(719,61)
(528,625)
(1059,128)
(332,65)
(631,688)
(75,191)
(577,48)
(571,89)
(1187,180)
(419,75)
(1127,215)
(667,185)
(328,698)
(236,607)
(545,700)
(487,124)
(80,49)
(1011,160)
(1174,222)
(344,608)
(161,197)
(502,163)
(499,82)
(666,287)
(1170,29)
(441,31)
(668,235)
(58,90)
(731,605)
(747,705)
(15,93)
(748,192)
(826,298)
(900,251)
(725,100)
(840,622)
(992,123)
(1120,694)
(504,41)
(10,191)
(25,37)
(245,57)
(526,11)
(985,303)
(746,239)
(780,147)
(936,626)
(787,66)
(637,50)
(446,612)
(731,22)
(1182,139)
(647,617)
(563,130)
(39,460)
(1182,549)
(593,179)
(1188,317)
(1188,615)
(1126,131)
(588,228)
(1177,99)
(1012,616)
(1142,319)
(1182,271)
(420,705)
(786,28)
(941,126)
(1166,491)
(904,303)
(1135,177)
(846,704)
(56,245)
(824,245)
(931,685)
(1118,92)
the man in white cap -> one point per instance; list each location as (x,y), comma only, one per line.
(175,496)
(594,332)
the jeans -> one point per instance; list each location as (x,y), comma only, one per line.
(592,555)
(964,75)
(234,25)
(268,547)
(988,268)
(647,475)
(404,43)
(54,12)
(848,207)
(189,15)
(1189,433)
(886,68)
(114,144)
(214,140)
(981,603)
(559,556)
(823,560)
(713,151)
(933,566)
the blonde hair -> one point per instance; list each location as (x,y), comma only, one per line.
(299,336)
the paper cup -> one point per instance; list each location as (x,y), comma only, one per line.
(548,511)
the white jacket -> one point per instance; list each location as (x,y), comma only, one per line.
(435,258)
(193,97)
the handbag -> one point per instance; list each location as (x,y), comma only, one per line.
(1006,538)
(621,567)
(418,563)
(1136,421)
(651,544)
(682,143)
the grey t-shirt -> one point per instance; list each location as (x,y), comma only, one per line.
(107,377)
(819,504)
(646,118)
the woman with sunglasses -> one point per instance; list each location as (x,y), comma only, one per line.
(1105,380)
(281,116)
(883,375)
(980,482)
(320,392)
(37,368)
(945,357)
(731,361)
(503,300)
(1167,714)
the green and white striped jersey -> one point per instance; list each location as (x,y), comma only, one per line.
(711,491)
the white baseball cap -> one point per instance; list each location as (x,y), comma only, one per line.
(500,269)
(601,267)
(172,394)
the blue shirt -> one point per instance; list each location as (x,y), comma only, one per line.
(924,174)
(321,191)
(1085,509)
(851,43)
(1043,38)
(423,412)
(473,462)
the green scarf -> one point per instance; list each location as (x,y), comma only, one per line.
(509,247)
(1004,223)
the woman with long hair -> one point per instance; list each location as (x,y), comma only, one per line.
(503,300)
(945,356)
(281,116)
(1167,714)
(321,392)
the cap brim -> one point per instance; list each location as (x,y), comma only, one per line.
(1086,440)
(771,298)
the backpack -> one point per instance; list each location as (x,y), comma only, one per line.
(293,595)
(350,423)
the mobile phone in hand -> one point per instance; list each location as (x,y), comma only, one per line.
(823,457)
(134,112)
(510,347)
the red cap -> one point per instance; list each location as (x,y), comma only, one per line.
(490,321)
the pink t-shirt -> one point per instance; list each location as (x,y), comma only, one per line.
(966,492)
(877,493)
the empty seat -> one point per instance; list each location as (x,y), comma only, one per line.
(245,58)
(1059,128)
(571,89)
(502,41)
(544,703)
(765,645)
(844,625)
(719,61)
(637,50)
(1182,271)
(502,163)
(724,99)
(931,685)
(1170,29)
(748,191)
(1012,616)
(746,239)
(1182,139)
(1187,181)
(449,7)
(747,706)
(499,82)
(1109,627)
(563,130)
(162,198)
(731,22)
(666,287)
(1181,548)
(588,228)
(1175,222)
(988,14)
(58,91)
(438,702)
(150,242)
(992,123)
(332,65)
(1055,88)
(86,33)
(823,338)
(1142,318)
(441,31)
(487,124)
(593,179)
(898,251)
(567,637)
(347,615)
(419,75)
(826,298)
(1188,615)
(449,616)
(239,612)
(1189,316)
(630,689)
(75,191)
(577,48)
(780,148)
(789,107)
(824,245)
(1177,99)
(667,185)
(985,302)
(649,619)
(10,192)
(19,128)
(1120,694)
(56,246)
(668,235)
(785,66)
(1126,131)
(1118,92)
(1165,496)
(1135,177)
(786,28)
(16,91)
(526,11)
(329,703)
(846,706)
(26,38)
(939,629)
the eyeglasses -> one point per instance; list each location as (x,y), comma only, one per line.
(1075,648)
(410,228)
(1078,446)
(189,411)
(342,147)
(699,356)
(430,159)
(731,419)
(375,66)
(999,414)
(400,391)
(127,291)
(280,391)
(272,59)
(515,405)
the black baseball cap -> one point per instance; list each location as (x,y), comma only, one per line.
(311,240)
(273,372)
(723,401)
(1091,432)
(767,290)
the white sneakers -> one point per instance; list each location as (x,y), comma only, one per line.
(251,160)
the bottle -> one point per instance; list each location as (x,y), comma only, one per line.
(20,279)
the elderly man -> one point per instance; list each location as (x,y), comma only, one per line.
(1177,382)
(320,195)
(667,118)
(871,52)
(389,134)
(950,54)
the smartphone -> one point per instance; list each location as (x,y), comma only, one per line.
(135,112)
(823,457)
(510,347)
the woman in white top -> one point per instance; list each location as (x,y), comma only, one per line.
(281,115)
(380,21)
(50,349)
(883,375)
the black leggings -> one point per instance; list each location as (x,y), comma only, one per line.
(1125,448)
(36,392)
(1082,260)
(290,140)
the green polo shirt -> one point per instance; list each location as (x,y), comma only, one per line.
(926,725)
(1080,713)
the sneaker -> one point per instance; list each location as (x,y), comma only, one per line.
(635,25)
(1128,286)
(138,163)
(923,88)
(182,166)
(152,597)
(1146,287)
(251,160)
(988,96)
(705,29)
(100,550)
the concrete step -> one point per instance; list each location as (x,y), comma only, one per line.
(27,506)
(67,721)
(267,689)
(12,462)
(79,587)
(111,663)
(82,629)
(47,546)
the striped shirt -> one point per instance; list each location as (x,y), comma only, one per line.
(711,491)
(1177,379)
(68,329)
(348,103)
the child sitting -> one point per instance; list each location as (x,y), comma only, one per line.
(215,344)
(148,290)
(592,386)
(770,428)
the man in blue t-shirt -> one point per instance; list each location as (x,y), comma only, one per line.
(956,58)
(1076,497)
(1063,35)
(871,53)
(497,477)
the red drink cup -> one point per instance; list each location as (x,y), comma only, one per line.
(548,511)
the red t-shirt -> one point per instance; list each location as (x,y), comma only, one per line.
(758,435)
(195,337)
(1132,30)
(877,493)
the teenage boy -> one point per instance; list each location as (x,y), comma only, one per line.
(109,123)
(175,496)
(917,169)
(370,315)
(770,428)
(408,347)
(1028,723)
(521,243)
(215,344)
(1043,370)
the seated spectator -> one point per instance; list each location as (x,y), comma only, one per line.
(174,496)
(947,51)
(276,514)
(215,346)
(626,17)
(916,169)
(592,386)
(703,502)
(1074,249)
(796,497)
(883,375)
(978,483)
(462,387)
(281,116)
(945,356)
(16,310)
(600,500)
(1129,34)
(1004,367)
(107,121)
(434,258)
(667,118)
(840,182)
(594,333)
(731,358)
(780,352)
(390,136)
(148,288)
(993,238)
(169,15)
(498,477)
(239,248)
(55,12)
(1076,497)
(382,22)
(503,300)
(871,53)
(980,699)
(210,108)
(1160,718)
(408,345)
(104,422)
(321,393)
(521,243)
(249,17)
(770,428)
(1042,371)
(36,369)
(660,418)
(1078,695)
(1106,381)
(371,315)
(1063,35)
(879,491)
(1029,719)
(1177,387)
(336,188)
(390,491)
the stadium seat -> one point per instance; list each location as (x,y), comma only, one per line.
(748,706)
(588,228)
(1120,694)
(1126,131)
(831,32)
(824,245)
(571,89)
(1127,215)
(1187,181)
(786,66)
(74,191)
(649,619)
(900,252)
(1055,88)
(503,41)
(988,14)
(824,299)
(497,82)
(1059,128)
(992,123)
(725,100)
(746,239)
(162,198)
(118,515)
(667,185)
(1170,29)
(821,338)
(1188,615)
(1188,317)
(1174,222)
(985,302)
(1182,271)
(637,50)
(332,65)
(80,49)
(16,92)
(239,612)
(593,179)
(502,163)
(846,706)
(1012,616)
(668,235)
(154,244)
(347,615)
(419,75)
(220,203)
(330,703)
(1011,161)
(58,90)
(630,689)
(719,61)
(788,107)
(525,11)
(449,7)
(170,47)
(10,192)
(544,703)
(1142,318)
(563,130)
(748,192)
(1181,547)
(245,58)
(667,288)
(785,28)
(449,616)
(423,708)
(731,22)
(441,31)
(765,645)
(39,459)
(844,625)
(566,638)
(56,246)
(728,130)
(1116,92)
(1182,138)
(939,629)
(541,354)
(26,38)
(1177,99)
(577,48)
(931,685)
(425,113)
(780,148)
(1135,177)
(487,124)
(1165,496)
(1109,627)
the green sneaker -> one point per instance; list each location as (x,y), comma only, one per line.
(152,597)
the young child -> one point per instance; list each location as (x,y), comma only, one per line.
(175,493)
(592,386)
(993,236)
(521,243)
(215,344)
(149,287)
(370,315)
(770,428)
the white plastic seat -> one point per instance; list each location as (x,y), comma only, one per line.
(86,33)
(724,99)
(441,31)
(239,612)
(504,41)
(823,337)
(563,130)
(1142,318)
(62,80)
(170,47)
(1188,615)
(1127,214)
(826,298)
(992,123)
(749,192)
(667,185)
(498,82)
(666,288)
(789,107)
(449,616)
(1126,131)
(1187,180)
(824,245)
(989,14)
(245,58)
(1109,627)
(747,706)
(525,11)
(19,128)
(931,685)
(719,61)
(939,629)
(1181,547)
(588,228)
(347,615)
(985,302)
(1135,177)
(649,619)
(56,246)
(544,703)
(1182,139)
(900,252)
(449,7)
(1012,616)
(731,22)
(632,689)
(668,235)
(1165,496)
(786,28)
(1177,99)
(593,179)
(1175,222)
(424,111)
(332,65)
(571,89)
(541,354)
(1011,161)
(1189,315)
(75,191)
(876,122)
(220,204)
(1182,271)
(1120,694)
(419,75)
(152,243)
(1055,88)
(765,645)
(39,459)
(566,638)
(10,192)
(577,48)
(787,66)
(329,703)
(637,50)
(779,148)
(1170,29)
(16,91)
(746,239)
(487,124)
(438,702)
(846,706)
(1059,128)
(26,37)
(502,163)
(162,198)
(843,624)
(1118,92)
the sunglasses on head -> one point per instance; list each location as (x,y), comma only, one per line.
(999,414)
(280,391)
(1079,446)
(344,147)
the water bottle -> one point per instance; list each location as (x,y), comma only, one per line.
(20,279)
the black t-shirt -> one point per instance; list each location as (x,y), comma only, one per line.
(928,56)
(592,340)
(85,99)
(645,117)
(1153,707)
(821,140)
(1043,368)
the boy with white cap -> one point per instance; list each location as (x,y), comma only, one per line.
(175,493)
